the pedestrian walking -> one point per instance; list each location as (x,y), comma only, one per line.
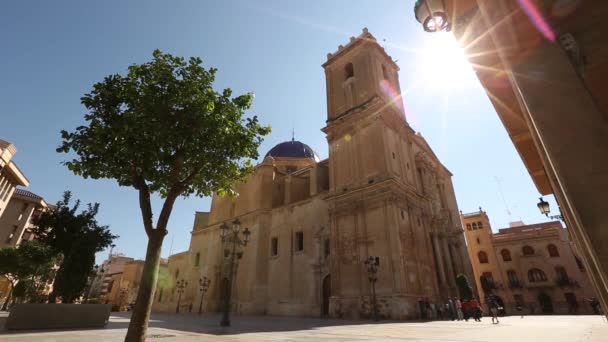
(422,308)
(476,310)
(451,309)
(459,309)
(466,310)
(494,310)
(520,309)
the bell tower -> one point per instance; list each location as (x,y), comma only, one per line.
(358,72)
(371,169)
(366,125)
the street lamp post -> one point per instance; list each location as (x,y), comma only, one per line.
(122,298)
(236,240)
(204,286)
(181,287)
(372,272)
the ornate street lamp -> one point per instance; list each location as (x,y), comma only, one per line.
(181,287)
(372,272)
(544,208)
(236,240)
(431,14)
(203,287)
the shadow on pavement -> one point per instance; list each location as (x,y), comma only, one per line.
(209,324)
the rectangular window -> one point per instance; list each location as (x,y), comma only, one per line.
(299,241)
(274,246)
(327,248)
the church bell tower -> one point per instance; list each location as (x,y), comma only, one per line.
(371,169)
(366,122)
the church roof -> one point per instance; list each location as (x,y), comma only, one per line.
(292,149)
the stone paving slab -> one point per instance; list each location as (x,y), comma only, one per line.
(170,328)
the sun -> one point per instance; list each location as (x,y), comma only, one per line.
(442,63)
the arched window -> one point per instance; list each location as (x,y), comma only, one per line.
(474,225)
(561,273)
(536,275)
(349,71)
(483,257)
(468,226)
(553,252)
(527,250)
(177,273)
(506,255)
(197,259)
(479,225)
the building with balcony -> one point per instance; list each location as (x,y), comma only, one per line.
(123,287)
(16,221)
(10,175)
(534,265)
(543,66)
(101,283)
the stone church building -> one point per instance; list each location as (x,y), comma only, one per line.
(382,192)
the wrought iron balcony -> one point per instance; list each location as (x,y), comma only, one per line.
(515,284)
(565,281)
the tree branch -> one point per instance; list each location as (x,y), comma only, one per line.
(178,161)
(144,202)
(163,218)
(191,176)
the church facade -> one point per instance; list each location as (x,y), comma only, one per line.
(382,192)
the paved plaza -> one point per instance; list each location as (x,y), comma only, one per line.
(266,328)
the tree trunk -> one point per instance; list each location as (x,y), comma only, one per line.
(147,287)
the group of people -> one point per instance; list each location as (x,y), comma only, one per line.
(454,309)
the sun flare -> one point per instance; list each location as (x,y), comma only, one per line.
(442,63)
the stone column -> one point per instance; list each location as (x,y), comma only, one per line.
(439,258)
(458,261)
(448,261)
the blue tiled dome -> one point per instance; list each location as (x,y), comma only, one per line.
(292,149)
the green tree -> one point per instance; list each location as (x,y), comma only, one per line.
(76,237)
(29,268)
(464,289)
(163,129)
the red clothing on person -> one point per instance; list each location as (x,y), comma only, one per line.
(465,305)
(474,303)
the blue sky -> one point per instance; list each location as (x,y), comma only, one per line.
(53,52)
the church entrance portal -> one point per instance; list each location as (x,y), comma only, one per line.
(546,304)
(326,295)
